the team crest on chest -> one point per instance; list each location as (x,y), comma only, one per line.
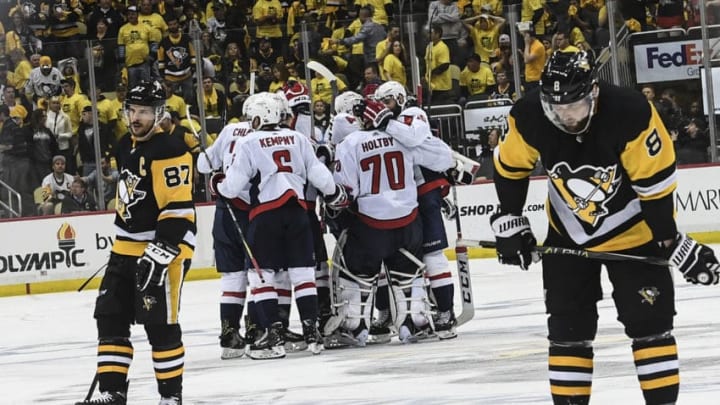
(128,194)
(586,189)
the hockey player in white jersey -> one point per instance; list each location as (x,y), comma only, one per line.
(411,128)
(345,121)
(278,162)
(387,228)
(227,243)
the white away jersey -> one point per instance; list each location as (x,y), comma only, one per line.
(379,170)
(341,126)
(221,153)
(278,163)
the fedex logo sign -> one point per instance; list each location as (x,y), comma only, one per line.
(687,54)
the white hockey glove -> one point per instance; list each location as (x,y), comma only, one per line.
(448,208)
(514,240)
(325,153)
(695,261)
(340,199)
(464,171)
(153,264)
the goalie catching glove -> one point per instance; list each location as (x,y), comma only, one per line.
(695,261)
(152,266)
(515,242)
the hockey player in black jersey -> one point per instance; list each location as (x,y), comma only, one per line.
(155,224)
(611,180)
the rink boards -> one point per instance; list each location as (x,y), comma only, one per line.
(59,253)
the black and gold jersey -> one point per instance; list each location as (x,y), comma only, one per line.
(154,195)
(610,189)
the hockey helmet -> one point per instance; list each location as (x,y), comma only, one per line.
(392,90)
(346,102)
(568,91)
(266,108)
(149,94)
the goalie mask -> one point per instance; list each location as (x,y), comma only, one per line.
(568,91)
(393,95)
(144,108)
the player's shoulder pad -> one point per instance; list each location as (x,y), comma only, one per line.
(164,146)
(622,111)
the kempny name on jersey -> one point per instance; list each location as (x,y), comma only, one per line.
(278,140)
(377,143)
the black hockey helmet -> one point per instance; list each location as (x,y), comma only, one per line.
(150,94)
(567,90)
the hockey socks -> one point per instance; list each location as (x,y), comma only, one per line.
(114,358)
(169,363)
(570,373)
(657,367)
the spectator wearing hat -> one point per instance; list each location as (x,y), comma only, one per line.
(104,11)
(476,79)
(136,43)
(87,137)
(56,186)
(72,102)
(485,34)
(104,47)
(217,24)
(268,15)
(44,82)
(176,57)
(15,168)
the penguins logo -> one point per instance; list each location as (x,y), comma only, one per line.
(649,295)
(128,194)
(586,190)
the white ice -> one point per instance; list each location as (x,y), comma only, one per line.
(47,354)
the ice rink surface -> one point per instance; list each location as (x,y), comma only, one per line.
(47,353)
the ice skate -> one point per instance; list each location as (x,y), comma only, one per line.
(380,331)
(232,344)
(294,342)
(106,398)
(269,345)
(445,325)
(171,400)
(312,336)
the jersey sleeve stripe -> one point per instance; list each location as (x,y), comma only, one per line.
(658,190)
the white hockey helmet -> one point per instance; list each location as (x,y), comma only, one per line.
(392,89)
(248,102)
(265,108)
(345,102)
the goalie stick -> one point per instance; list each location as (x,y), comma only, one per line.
(554,250)
(463,268)
(330,76)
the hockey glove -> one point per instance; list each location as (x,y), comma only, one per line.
(340,199)
(514,239)
(448,208)
(376,115)
(153,264)
(215,179)
(325,153)
(695,261)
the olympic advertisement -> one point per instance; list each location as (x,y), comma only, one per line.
(74,247)
(667,61)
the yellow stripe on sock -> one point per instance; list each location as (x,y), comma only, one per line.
(660,382)
(570,361)
(652,352)
(112,369)
(168,353)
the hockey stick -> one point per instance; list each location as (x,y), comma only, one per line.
(463,267)
(330,76)
(554,250)
(92,277)
(93,384)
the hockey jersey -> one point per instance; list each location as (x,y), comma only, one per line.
(412,129)
(44,85)
(609,189)
(176,58)
(154,195)
(277,163)
(379,170)
(220,154)
(341,126)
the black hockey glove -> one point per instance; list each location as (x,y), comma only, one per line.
(153,264)
(325,153)
(514,239)
(340,199)
(695,261)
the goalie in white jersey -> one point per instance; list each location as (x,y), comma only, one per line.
(277,163)
(387,229)
(227,243)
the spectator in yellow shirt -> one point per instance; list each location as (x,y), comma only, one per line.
(322,90)
(394,64)
(534,58)
(136,42)
(562,42)
(268,15)
(437,64)
(476,79)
